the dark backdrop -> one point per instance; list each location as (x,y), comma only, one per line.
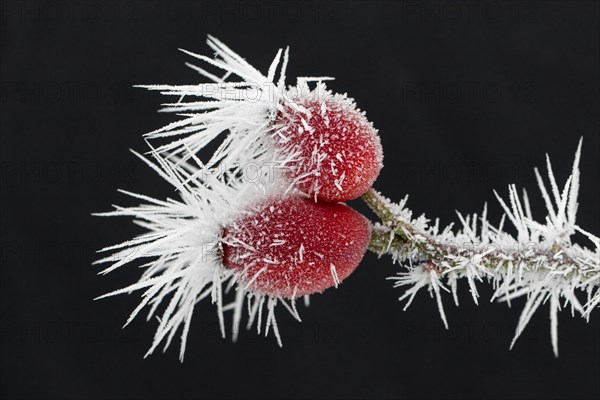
(467,96)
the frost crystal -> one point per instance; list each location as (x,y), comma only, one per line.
(540,262)
(181,250)
(321,139)
(237,106)
(241,109)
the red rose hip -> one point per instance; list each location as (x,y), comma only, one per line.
(293,246)
(335,151)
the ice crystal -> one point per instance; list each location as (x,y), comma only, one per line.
(236,106)
(320,138)
(181,251)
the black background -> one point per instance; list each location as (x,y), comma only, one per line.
(468,97)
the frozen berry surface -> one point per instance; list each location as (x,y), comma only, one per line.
(293,246)
(335,151)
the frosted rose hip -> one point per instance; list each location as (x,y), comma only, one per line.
(294,247)
(336,152)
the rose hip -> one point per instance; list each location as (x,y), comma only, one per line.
(335,151)
(293,246)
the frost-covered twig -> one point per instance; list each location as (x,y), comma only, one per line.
(541,261)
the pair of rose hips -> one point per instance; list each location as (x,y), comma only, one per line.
(303,244)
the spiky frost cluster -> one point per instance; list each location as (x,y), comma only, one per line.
(540,261)
(321,141)
(235,109)
(184,244)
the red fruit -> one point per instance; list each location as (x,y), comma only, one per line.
(336,152)
(293,247)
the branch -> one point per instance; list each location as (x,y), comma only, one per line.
(540,261)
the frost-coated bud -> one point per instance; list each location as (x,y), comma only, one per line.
(293,246)
(335,151)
